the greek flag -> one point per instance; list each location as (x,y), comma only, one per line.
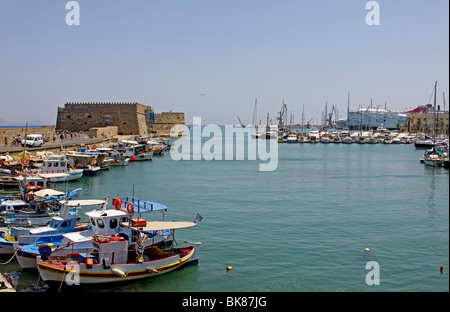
(198,217)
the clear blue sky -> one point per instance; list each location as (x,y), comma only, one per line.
(212,58)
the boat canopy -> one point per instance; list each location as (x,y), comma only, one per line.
(142,205)
(48,192)
(82,202)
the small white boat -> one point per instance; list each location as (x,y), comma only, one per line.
(256,135)
(433,158)
(57,164)
(325,138)
(292,138)
(347,140)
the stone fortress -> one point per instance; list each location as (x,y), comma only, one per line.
(114,118)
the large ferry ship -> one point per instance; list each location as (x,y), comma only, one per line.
(372,118)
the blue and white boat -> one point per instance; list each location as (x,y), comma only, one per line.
(101,222)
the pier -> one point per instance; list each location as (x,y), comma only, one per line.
(57,146)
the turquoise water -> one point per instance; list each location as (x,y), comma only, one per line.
(301,228)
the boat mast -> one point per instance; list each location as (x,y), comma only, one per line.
(303,112)
(443,93)
(348,111)
(25,145)
(255,113)
(435,113)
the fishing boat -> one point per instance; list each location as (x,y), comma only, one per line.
(303,138)
(371,140)
(86,162)
(37,206)
(111,262)
(292,138)
(325,137)
(347,140)
(65,222)
(21,217)
(57,164)
(314,135)
(103,222)
(427,143)
(135,151)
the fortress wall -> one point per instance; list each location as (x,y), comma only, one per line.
(9,133)
(165,121)
(130,118)
(103,132)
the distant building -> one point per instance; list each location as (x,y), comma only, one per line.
(423,119)
(372,118)
(129,118)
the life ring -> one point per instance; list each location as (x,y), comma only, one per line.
(118,203)
(29,197)
(25,161)
(130,208)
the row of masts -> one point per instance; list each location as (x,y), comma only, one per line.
(327,117)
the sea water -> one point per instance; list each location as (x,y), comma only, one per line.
(303,227)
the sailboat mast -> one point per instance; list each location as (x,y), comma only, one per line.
(303,112)
(443,96)
(435,112)
(348,111)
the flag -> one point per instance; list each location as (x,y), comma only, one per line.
(198,217)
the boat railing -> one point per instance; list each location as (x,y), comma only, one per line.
(143,205)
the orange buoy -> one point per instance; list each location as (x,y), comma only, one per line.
(442,268)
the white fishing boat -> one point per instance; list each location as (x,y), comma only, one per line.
(325,137)
(111,262)
(102,222)
(303,138)
(347,140)
(314,135)
(292,138)
(135,151)
(56,164)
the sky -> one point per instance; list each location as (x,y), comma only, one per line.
(213,58)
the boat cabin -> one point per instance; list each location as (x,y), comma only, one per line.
(53,164)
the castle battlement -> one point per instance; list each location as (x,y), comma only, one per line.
(129,117)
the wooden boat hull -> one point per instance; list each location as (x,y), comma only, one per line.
(59,271)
